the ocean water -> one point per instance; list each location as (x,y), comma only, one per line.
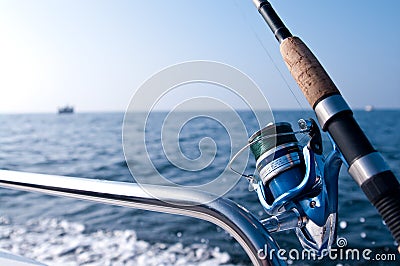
(61,231)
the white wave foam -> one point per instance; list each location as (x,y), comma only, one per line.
(59,242)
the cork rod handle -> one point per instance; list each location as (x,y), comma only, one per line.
(308,72)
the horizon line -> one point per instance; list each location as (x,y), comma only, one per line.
(182,111)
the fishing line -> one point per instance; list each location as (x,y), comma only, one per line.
(268,54)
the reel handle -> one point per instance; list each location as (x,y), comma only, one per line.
(366,165)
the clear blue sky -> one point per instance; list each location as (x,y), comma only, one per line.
(95,53)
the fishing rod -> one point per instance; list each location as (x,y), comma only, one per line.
(297,185)
(365,164)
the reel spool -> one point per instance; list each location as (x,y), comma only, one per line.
(279,159)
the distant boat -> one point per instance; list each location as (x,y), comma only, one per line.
(368,108)
(66,110)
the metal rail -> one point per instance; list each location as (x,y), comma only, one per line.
(237,221)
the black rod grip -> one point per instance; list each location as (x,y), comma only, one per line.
(349,137)
(383,191)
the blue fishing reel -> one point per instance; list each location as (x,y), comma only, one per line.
(297,185)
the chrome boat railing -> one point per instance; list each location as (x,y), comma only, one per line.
(234,219)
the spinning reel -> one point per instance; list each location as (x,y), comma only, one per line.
(297,185)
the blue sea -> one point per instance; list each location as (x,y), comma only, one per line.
(61,231)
